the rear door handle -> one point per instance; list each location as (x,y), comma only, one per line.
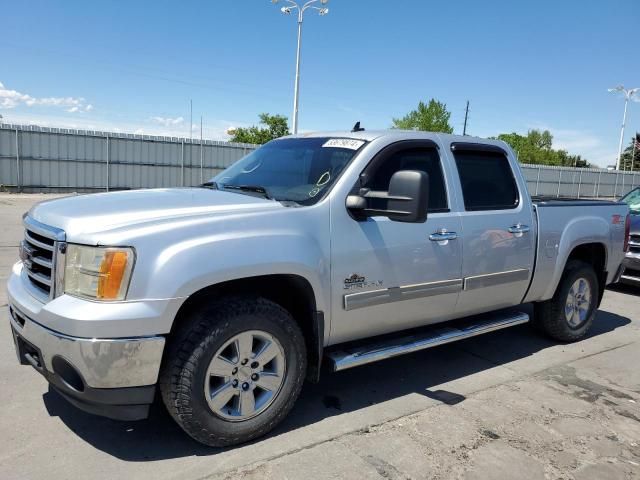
(519,228)
(442,236)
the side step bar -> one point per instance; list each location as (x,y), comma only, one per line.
(630,278)
(389,348)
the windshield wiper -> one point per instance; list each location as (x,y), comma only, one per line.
(249,188)
(211,185)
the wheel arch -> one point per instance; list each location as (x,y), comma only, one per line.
(595,254)
(292,292)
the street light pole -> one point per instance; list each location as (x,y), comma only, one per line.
(296,88)
(300,10)
(628,94)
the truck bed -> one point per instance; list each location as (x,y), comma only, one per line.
(564,227)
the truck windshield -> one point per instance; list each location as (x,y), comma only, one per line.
(299,170)
(633,200)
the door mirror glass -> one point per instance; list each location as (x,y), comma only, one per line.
(405,201)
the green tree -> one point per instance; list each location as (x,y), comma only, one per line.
(433,117)
(275,127)
(626,163)
(536,147)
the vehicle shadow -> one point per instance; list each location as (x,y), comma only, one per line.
(627,288)
(159,437)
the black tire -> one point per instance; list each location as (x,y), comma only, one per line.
(550,315)
(188,356)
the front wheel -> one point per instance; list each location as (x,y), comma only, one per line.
(234,371)
(569,314)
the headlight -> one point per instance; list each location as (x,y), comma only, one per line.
(97,272)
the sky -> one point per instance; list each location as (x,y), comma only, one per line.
(134,66)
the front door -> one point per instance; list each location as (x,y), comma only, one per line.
(388,276)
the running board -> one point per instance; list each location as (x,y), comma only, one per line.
(630,278)
(388,348)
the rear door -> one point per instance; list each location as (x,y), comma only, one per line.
(497,222)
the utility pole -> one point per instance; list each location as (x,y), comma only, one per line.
(466,117)
(190,119)
(201,154)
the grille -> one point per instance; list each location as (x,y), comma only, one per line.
(37,253)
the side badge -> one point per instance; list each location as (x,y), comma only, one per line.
(357,281)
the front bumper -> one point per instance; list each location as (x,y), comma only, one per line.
(113,375)
(110,377)
(631,265)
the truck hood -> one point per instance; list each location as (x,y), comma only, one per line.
(82,215)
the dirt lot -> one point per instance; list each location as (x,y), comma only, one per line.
(506,405)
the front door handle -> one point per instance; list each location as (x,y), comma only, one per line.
(519,228)
(443,235)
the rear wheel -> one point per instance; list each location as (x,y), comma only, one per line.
(569,314)
(234,371)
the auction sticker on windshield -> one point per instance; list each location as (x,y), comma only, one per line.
(349,143)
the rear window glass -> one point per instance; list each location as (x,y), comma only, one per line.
(487,180)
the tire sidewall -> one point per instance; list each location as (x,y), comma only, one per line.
(195,405)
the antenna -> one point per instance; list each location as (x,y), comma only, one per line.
(466,117)
(357,128)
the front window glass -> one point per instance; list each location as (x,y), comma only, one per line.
(292,169)
(633,200)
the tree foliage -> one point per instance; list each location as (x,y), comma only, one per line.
(536,147)
(275,126)
(626,163)
(433,117)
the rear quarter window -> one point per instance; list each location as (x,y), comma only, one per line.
(487,181)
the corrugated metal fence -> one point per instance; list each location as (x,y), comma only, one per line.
(54,159)
(579,182)
(44,159)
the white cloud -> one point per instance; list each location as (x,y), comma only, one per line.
(213,129)
(582,142)
(10,99)
(167,121)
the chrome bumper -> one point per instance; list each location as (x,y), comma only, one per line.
(101,363)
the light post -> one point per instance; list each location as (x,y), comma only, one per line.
(287,10)
(628,94)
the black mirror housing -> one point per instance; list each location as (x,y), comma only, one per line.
(406,200)
(408,194)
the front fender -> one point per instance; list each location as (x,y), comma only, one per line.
(188,266)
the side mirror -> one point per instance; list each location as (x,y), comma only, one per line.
(406,200)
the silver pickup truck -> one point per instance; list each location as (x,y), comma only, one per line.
(334,249)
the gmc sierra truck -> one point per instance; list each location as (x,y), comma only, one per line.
(334,249)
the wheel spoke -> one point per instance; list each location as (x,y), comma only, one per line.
(267,353)
(576,317)
(247,403)
(269,381)
(568,309)
(244,345)
(221,367)
(582,285)
(245,375)
(221,396)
